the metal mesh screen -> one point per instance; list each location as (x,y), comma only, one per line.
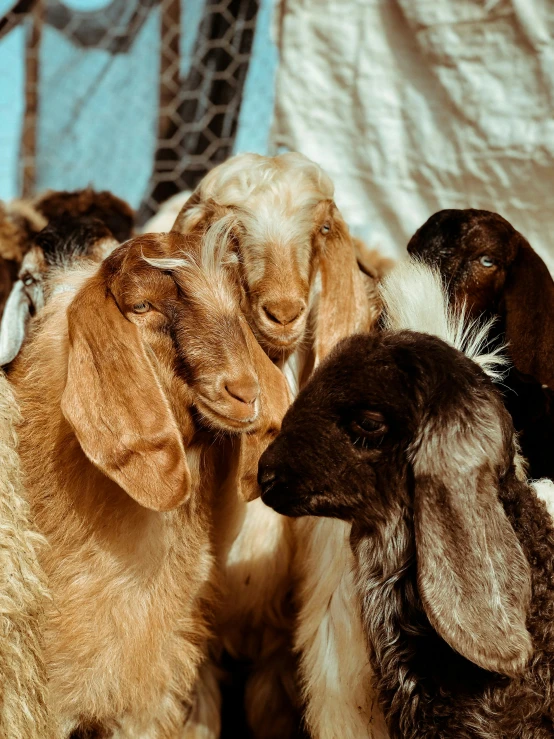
(162,81)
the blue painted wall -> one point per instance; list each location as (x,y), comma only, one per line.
(98,111)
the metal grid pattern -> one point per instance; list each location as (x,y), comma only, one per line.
(201,49)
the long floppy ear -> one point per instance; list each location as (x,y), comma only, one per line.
(529,306)
(275,399)
(115,404)
(344,308)
(14,323)
(473,578)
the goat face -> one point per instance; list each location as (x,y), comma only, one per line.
(343,437)
(186,311)
(158,347)
(492,268)
(288,230)
(279,254)
(157,350)
(348,439)
(402,430)
(474,250)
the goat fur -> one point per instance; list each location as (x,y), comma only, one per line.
(23,595)
(168,211)
(21,221)
(63,241)
(292,247)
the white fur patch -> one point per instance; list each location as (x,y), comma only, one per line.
(415,299)
(545,491)
(336,674)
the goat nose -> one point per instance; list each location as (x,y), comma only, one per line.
(284,311)
(244,388)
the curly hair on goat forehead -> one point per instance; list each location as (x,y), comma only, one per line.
(399,396)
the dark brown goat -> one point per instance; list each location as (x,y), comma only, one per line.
(405,437)
(21,221)
(491,267)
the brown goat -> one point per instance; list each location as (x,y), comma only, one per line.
(302,292)
(491,267)
(294,251)
(125,387)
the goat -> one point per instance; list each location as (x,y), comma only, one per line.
(295,254)
(129,413)
(491,267)
(405,437)
(303,291)
(23,595)
(61,242)
(21,221)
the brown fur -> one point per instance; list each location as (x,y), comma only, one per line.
(371,262)
(290,234)
(121,464)
(114,212)
(517,285)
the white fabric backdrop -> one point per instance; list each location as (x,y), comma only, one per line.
(417,105)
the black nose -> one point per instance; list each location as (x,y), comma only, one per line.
(266,478)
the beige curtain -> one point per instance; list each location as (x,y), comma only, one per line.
(417,105)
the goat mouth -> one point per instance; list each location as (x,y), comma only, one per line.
(277,341)
(221,420)
(283,503)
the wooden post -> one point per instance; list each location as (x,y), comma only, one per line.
(33,33)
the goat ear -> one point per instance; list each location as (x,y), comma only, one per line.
(14,323)
(343,305)
(115,404)
(275,399)
(529,306)
(473,578)
(194,213)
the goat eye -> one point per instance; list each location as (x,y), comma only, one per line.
(325,229)
(28,280)
(369,424)
(486,261)
(143,307)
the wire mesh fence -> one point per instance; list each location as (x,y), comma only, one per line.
(139,96)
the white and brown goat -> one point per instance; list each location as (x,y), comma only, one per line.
(302,291)
(129,389)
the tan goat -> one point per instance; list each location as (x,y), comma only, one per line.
(302,292)
(23,595)
(126,388)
